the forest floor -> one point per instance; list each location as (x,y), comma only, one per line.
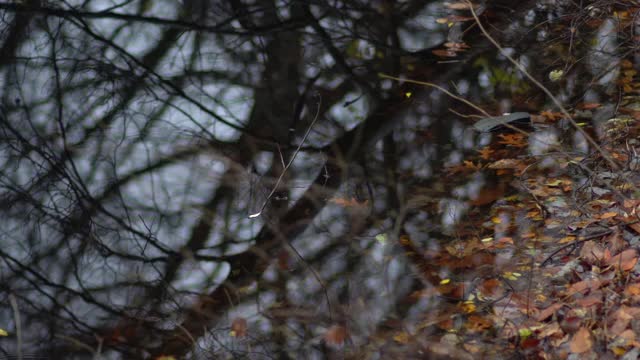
(550,270)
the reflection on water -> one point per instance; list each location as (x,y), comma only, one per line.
(254,187)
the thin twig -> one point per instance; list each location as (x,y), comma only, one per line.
(16,319)
(284,171)
(424,83)
(452,95)
(575,244)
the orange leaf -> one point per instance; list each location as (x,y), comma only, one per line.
(607,215)
(353,202)
(477,323)
(470,165)
(632,289)
(515,140)
(239,327)
(485,153)
(626,260)
(444,53)
(581,286)
(544,314)
(553,116)
(589,106)
(581,341)
(336,335)
(490,287)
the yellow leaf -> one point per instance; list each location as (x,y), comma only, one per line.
(381,238)
(3,332)
(468,307)
(402,338)
(556,75)
(513,276)
(619,351)
(524,333)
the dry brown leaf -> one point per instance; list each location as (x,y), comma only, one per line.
(336,335)
(444,53)
(506,164)
(553,116)
(607,215)
(459,5)
(592,252)
(491,287)
(488,195)
(581,341)
(632,289)
(353,202)
(615,242)
(621,318)
(582,286)
(589,106)
(477,323)
(550,310)
(591,300)
(624,261)
(485,153)
(402,338)
(239,327)
(550,330)
(514,140)
(635,227)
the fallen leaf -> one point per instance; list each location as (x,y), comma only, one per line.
(624,261)
(607,215)
(632,289)
(239,327)
(506,164)
(582,286)
(615,241)
(485,153)
(589,106)
(592,252)
(635,226)
(514,140)
(581,341)
(402,338)
(444,53)
(336,335)
(550,310)
(460,5)
(477,323)
(591,300)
